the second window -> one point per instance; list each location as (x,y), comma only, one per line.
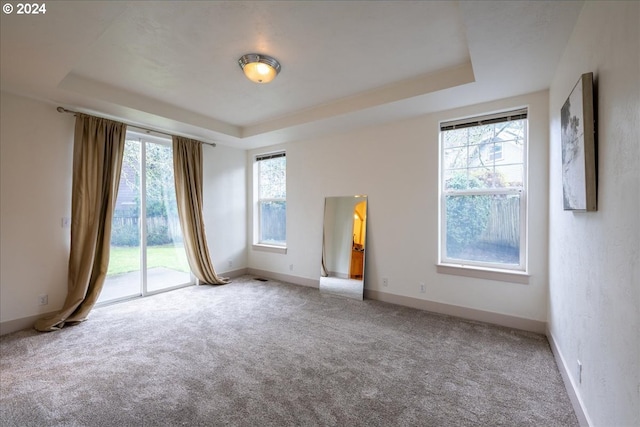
(483,191)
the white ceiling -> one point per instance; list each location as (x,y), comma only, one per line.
(172,65)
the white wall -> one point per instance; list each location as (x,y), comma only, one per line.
(594,257)
(36,144)
(396,165)
(225,206)
(36,153)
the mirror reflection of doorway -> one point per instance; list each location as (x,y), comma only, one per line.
(357,249)
(344,242)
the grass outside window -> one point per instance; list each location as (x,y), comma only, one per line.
(125,259)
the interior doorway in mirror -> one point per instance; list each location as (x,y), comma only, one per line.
(344,246)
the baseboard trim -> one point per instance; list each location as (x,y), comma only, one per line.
(232,274)
(576,402)
(458,311)
(15,325)
(302,281)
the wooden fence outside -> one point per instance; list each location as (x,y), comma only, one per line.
(503,227)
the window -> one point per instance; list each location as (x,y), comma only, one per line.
(272,199)
(147,252)
(483,191)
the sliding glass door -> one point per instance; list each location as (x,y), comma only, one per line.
(147,253)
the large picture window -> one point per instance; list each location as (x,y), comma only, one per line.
(483,191)
(272,199)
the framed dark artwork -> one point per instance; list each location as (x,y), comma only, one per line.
(579,148)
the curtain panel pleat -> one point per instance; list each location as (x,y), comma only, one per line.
(187,168)
(97,161)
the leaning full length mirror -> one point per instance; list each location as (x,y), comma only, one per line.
(343,246)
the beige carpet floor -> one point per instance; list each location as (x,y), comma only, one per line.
(273,354)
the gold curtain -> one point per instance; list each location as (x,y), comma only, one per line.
(97,160)
(187,169)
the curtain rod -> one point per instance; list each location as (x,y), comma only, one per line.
(64,110)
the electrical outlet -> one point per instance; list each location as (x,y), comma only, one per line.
(579,372)
(423,288)
(290,267)
(385,282)
(43,299)
(65,222)
(230,263)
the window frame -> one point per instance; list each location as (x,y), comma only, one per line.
(448,264)
(258,243)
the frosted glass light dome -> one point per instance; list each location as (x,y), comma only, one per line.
(259,68)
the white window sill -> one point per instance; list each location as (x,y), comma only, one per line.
(270,248)
(484,273)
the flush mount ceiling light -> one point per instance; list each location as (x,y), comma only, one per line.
(259,68)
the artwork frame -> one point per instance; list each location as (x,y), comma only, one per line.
(578,136)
